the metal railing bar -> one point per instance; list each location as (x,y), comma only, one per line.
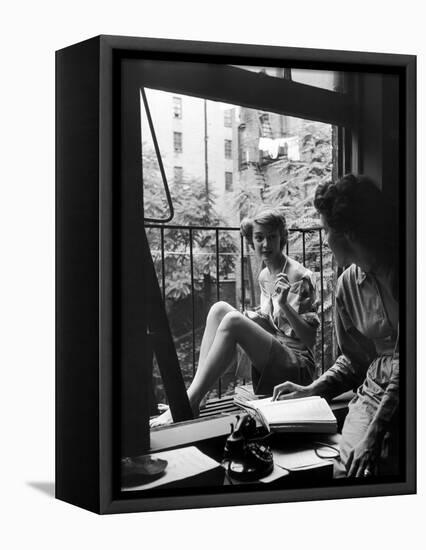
(191,259)
(219,384)
(322,301)
(242,274)
(194,227)
(217,267)
(185,253)
(163,265)
(304,249)
(198,253)
(225,228)
(160,164)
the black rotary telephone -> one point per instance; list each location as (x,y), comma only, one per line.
(247,458)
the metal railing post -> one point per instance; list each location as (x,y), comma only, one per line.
(322,301)
(219,384)
(243,297)
(191,261)
(163,265)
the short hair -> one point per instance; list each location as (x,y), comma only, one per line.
(269,216)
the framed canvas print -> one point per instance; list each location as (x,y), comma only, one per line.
(235,263)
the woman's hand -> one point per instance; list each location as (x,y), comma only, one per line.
(281,288)
(290,390)
(364,457)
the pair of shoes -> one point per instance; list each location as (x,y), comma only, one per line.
(141,469)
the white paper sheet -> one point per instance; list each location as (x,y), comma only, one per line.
(276,473)
(182,463)
(297,459)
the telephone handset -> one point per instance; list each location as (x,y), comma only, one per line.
(247,458)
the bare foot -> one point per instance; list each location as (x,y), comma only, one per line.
(162,420)
(166,418)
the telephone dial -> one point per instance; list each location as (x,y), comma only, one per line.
(246,457)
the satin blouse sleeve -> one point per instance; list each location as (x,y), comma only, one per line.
(357,352)
(308,302)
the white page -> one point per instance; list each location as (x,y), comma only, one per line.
(294,460)
(268,400)
(310,410)
(276,473)
(182,463)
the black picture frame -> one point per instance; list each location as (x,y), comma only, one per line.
(88,384)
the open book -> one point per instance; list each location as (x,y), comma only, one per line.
(307,414)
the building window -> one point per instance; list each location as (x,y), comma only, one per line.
(265,126)
(177,107)
(228,181)
(177,142)
(228,148)
(227,118)
(178,174)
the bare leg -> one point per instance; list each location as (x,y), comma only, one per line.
(232,330)
(214,318)
(216,314)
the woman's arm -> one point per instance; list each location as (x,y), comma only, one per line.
(344,375)
(304,331)
(364,457)
(264,305)
(350,368)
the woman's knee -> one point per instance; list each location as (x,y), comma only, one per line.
(232,321)
(219,310)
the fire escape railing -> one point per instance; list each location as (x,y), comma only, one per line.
(302,255)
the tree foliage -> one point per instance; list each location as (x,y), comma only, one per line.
(289,183)
(193,207)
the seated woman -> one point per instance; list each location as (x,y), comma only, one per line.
(279,338)
(360,231)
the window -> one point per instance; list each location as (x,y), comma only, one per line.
(177,142)
(282,169)
(228,181)
(228,148)
(265,125)
(178,174)
(227,118)
(177,107)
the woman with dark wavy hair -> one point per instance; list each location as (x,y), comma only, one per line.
(278,338)
(362,234)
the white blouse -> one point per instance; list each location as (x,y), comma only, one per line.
(301,297)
